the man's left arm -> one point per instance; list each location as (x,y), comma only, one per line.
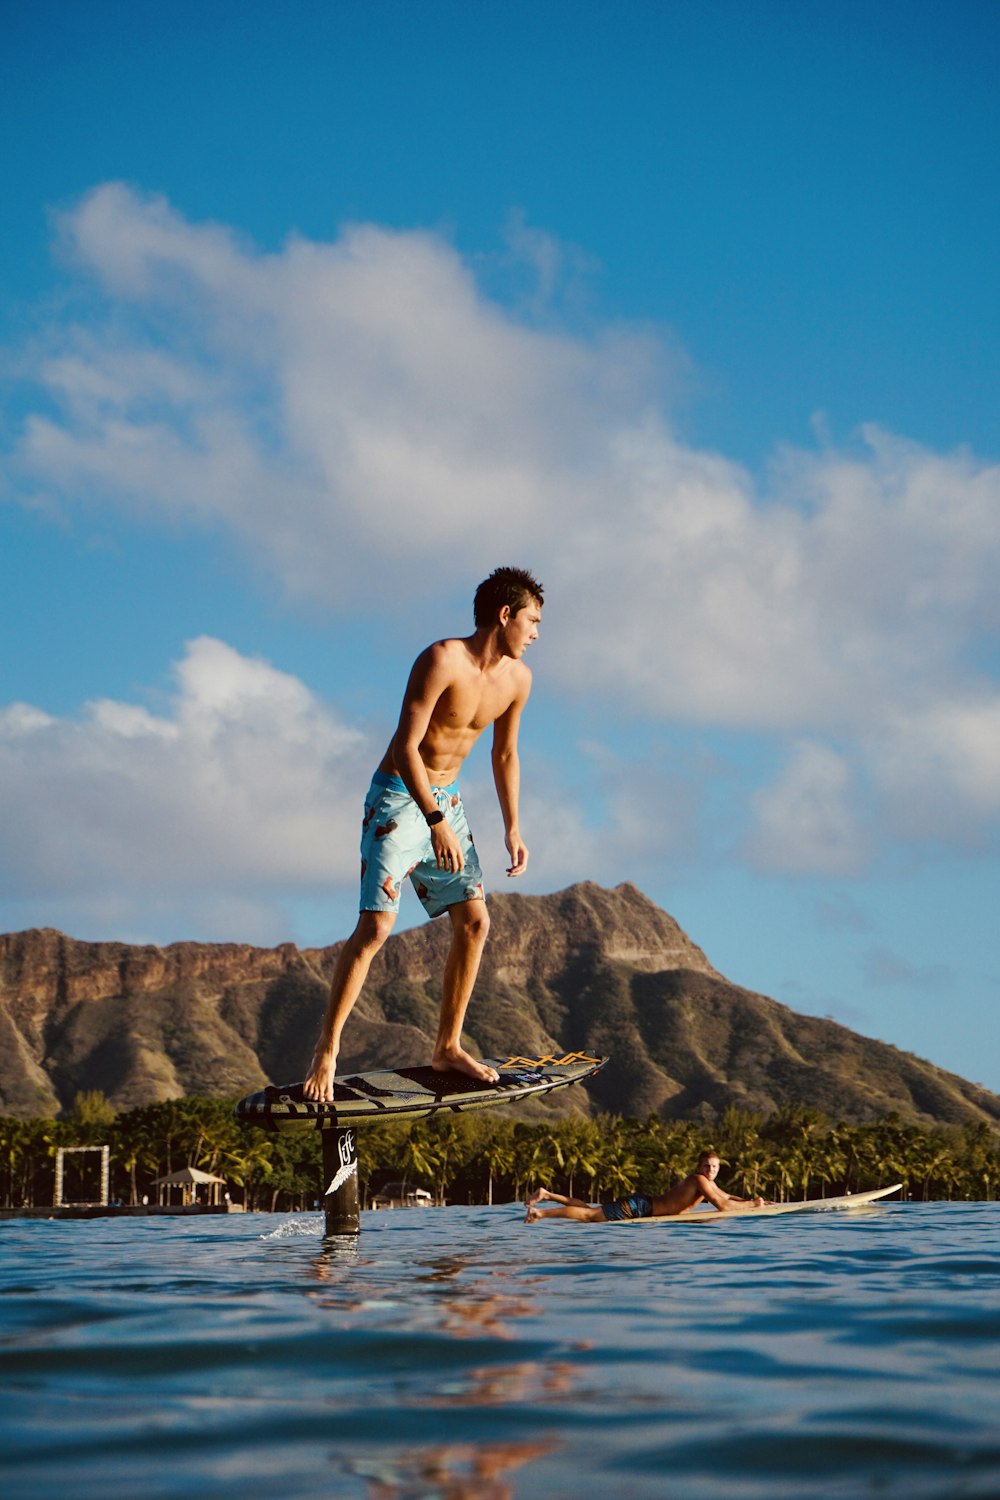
(507,778)
(757,1202)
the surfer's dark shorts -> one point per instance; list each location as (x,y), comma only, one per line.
(637,1206)
(396,843)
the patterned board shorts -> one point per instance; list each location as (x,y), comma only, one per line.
(396,844)
(637,1206)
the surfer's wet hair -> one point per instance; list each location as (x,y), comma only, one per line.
(514,587)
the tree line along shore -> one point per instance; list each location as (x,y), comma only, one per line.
(490,1157)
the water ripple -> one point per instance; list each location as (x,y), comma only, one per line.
(458,1353)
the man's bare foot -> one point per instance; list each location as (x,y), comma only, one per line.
(319,1080)
(538,1196)
(457,1060)
(532,1215)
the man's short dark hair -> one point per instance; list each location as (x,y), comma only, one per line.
(514,587)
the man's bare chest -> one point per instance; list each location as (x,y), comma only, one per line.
(474,704)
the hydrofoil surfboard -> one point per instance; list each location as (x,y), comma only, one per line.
(410,1093)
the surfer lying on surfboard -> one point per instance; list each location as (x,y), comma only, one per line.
(697,1187)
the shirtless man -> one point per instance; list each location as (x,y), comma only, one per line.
(415,825)
(697,1187)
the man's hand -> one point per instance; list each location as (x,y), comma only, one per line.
(518,853)
(447,850)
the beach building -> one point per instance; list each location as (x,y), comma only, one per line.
(189,1187)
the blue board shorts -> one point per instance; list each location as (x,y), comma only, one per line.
(637,1206)
(396,844)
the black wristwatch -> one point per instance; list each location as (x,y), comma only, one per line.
(434,818)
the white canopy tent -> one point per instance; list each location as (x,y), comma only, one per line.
(190,1180)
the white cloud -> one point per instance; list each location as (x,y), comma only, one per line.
(938,770)
(347,410)
(245,788)
(360,416)
(806,822)
(853,591)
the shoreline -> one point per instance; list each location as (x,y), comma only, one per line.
(120,1211)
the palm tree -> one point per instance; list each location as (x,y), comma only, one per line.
(784,1170)
(135,1148)
(618,1167)
(451,1144)
(980,1159)
(380,1149)
(497,1156)
(661,1159)
(17,1143)
(255,1167)
(580,1152)
(92,1117)
(619,1170)
(749,1171)
(830,1163)
(419,1157)
(738,1134)
(537,1156)
(857,1156)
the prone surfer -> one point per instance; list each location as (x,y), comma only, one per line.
(697,1187)
(414,823)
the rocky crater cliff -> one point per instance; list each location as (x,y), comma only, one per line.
(590,969)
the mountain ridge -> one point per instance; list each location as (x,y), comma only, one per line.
(586,968)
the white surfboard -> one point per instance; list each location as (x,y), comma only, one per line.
(709,1215)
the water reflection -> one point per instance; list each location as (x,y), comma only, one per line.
(451,1471)
(335,1259)
(442,1269)
(526,1383)
(464,1300)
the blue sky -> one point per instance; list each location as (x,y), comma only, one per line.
(310,315)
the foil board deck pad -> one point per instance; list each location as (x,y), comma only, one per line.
(409,1093)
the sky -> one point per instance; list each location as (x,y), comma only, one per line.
(313,314)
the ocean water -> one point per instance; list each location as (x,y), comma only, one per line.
(459,1353)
